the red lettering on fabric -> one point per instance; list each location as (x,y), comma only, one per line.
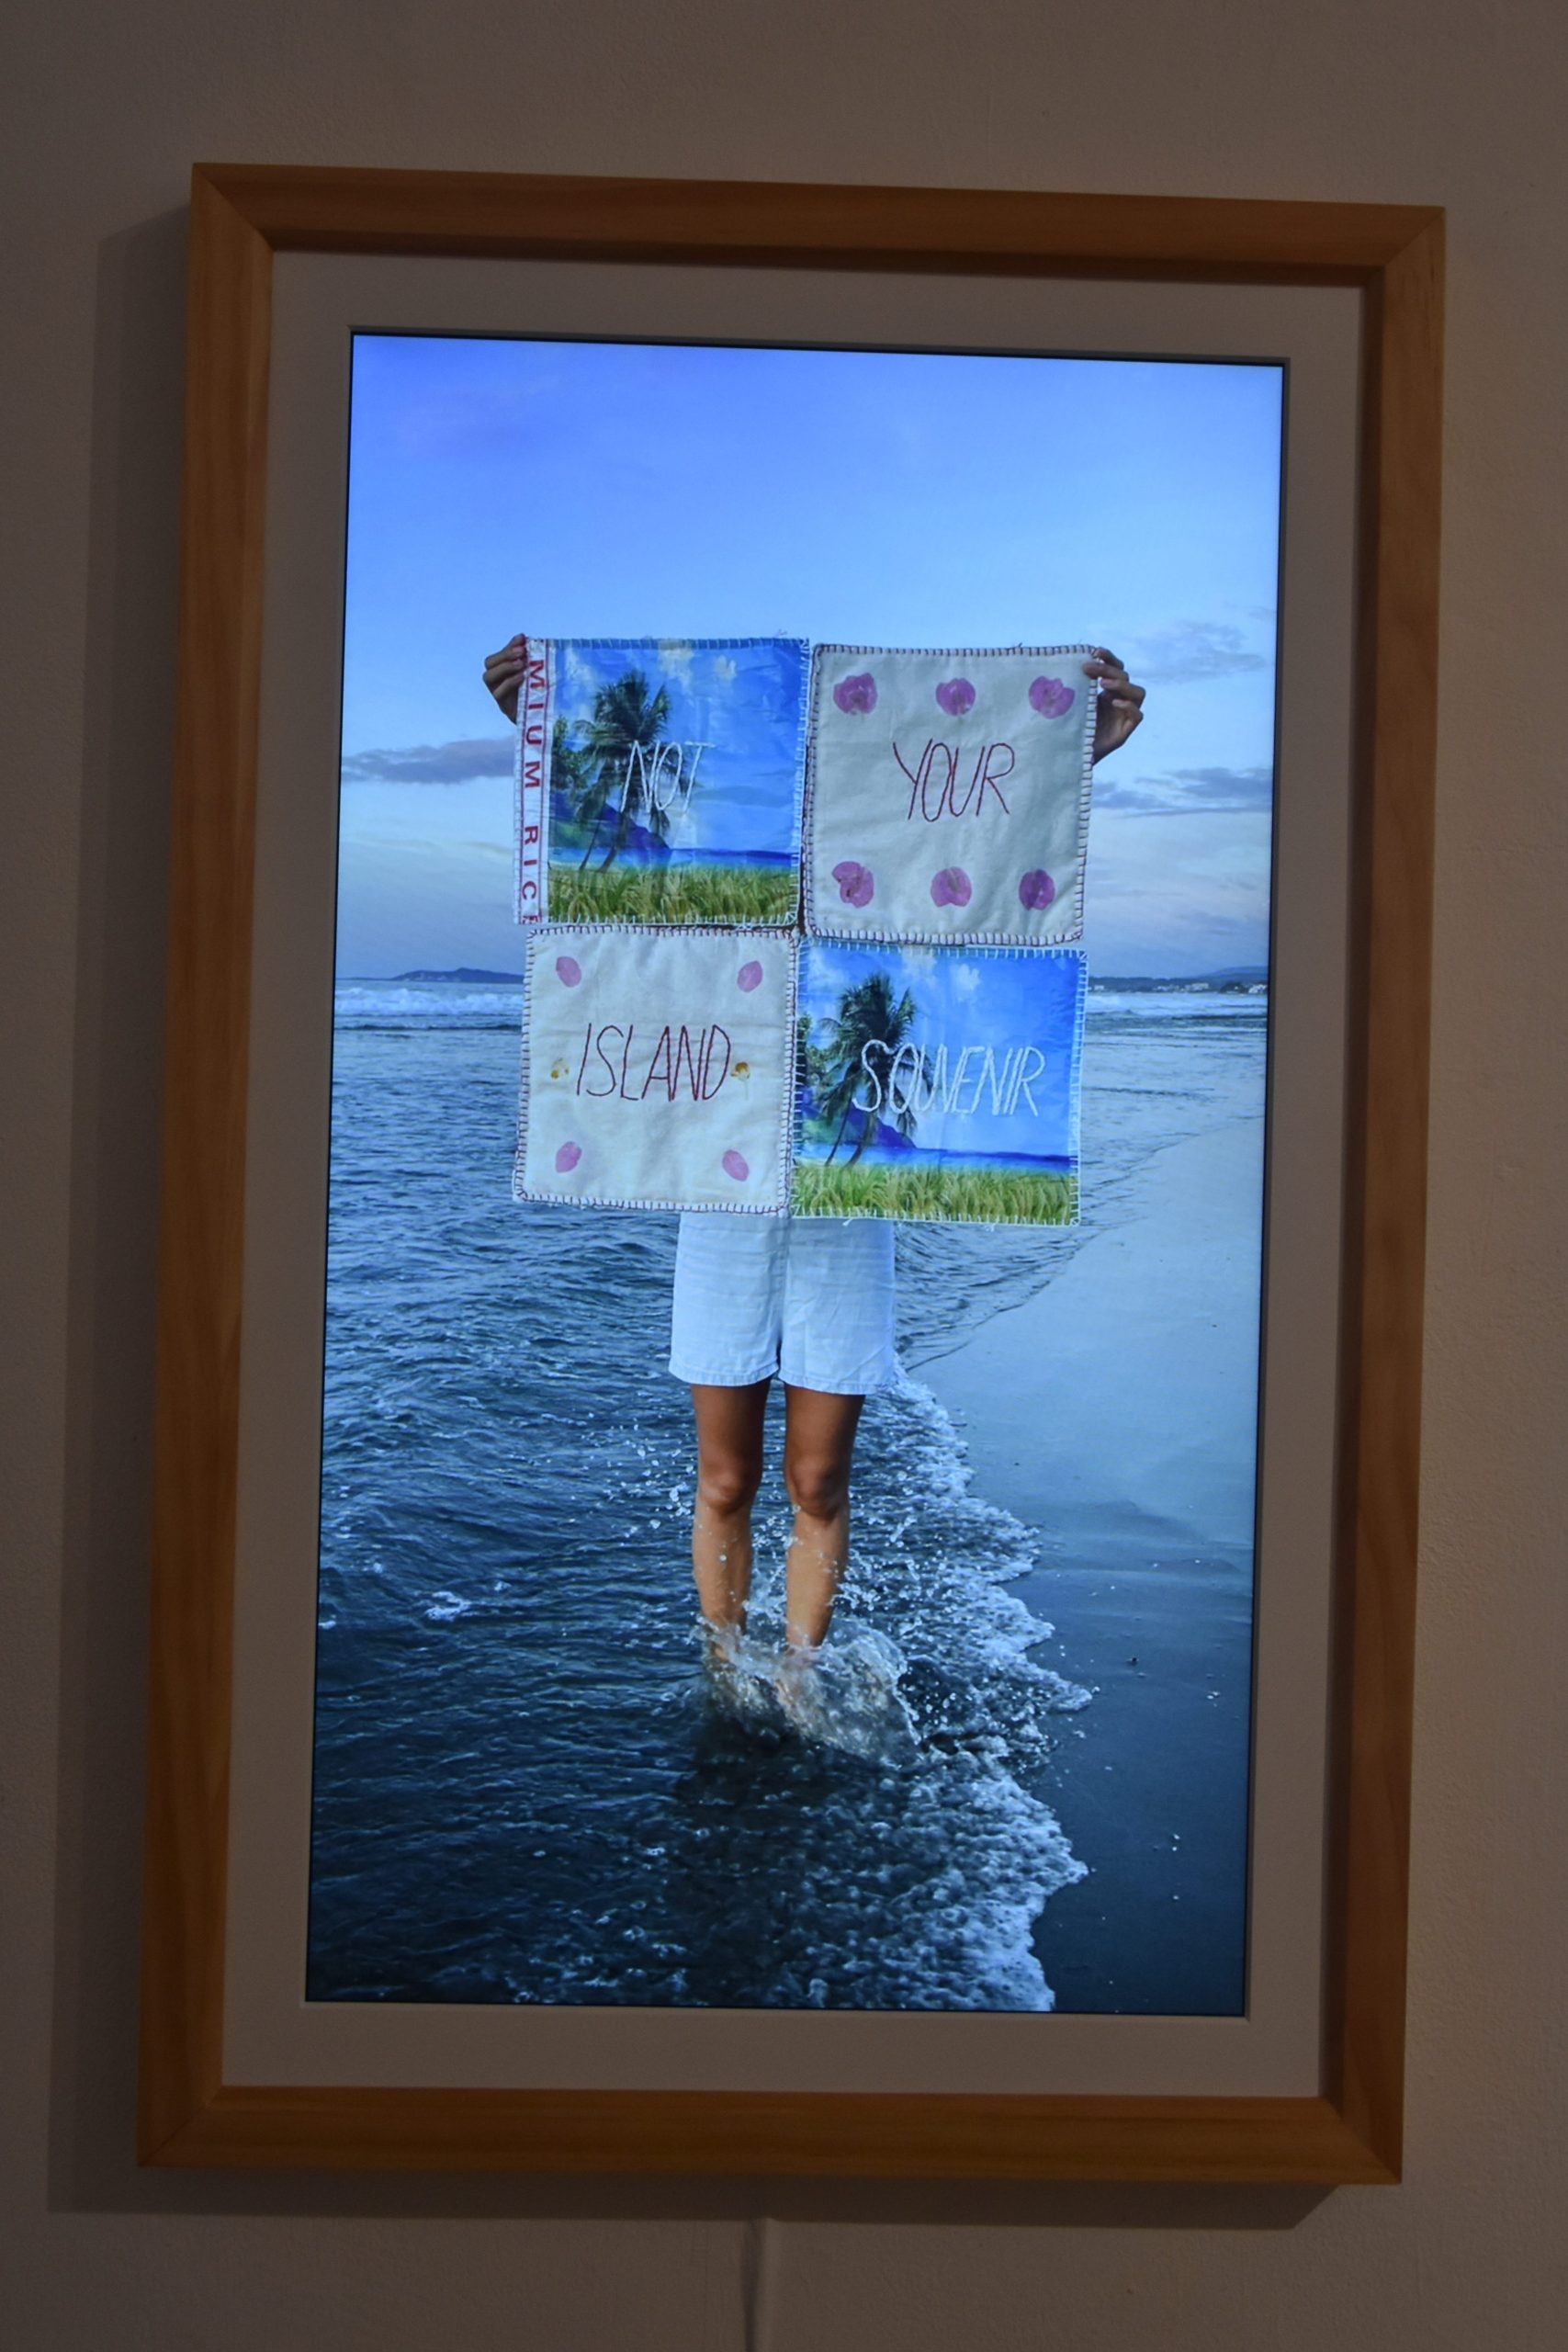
(532,721)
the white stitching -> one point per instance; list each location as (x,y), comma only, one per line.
(1013,947)
(541,936)
(818,930)
(698,644)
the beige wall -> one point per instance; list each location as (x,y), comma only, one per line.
(1413,100)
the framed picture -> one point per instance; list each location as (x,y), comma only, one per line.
(794,1186)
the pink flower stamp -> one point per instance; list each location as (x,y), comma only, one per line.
(749,977)
(569,971)
(1053,698)
(735,1166)
(956,695)
(855,883)
(856,693)
(951,887)
(1036,890)
(568,1156)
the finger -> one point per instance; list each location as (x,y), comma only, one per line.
(515,646)
(498,668)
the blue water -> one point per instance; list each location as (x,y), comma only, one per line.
(528,1788)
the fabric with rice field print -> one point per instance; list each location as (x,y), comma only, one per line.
(947,794)
(657,1069)
(938,1085)
(659,780)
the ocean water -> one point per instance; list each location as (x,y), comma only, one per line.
(529,1786)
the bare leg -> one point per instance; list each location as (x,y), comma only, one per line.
(820,1438)
(729,1471)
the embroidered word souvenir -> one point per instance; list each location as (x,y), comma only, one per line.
(939,1084)
(659,780)
(947,794)
(656,1069)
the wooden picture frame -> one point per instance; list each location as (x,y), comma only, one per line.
(240,216)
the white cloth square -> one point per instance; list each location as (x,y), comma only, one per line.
(656,1069)
(948,794)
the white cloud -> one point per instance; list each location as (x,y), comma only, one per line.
(458,763)
(1190,649)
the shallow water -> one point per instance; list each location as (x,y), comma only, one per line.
(529,1785)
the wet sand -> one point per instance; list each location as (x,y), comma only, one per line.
(1113,1414)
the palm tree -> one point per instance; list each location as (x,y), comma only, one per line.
(627,723)
(866,1014)
(568,773)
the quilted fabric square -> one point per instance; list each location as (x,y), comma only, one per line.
(948,794)
(939,1084)
(659,780)
(656,1069)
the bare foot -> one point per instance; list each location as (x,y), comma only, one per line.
(721,1645)
(795,1680)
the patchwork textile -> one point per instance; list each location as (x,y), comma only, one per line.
(947,794)
(939,1084)
(659,780)
(656,1069)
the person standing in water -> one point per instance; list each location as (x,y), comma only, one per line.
(805,1300)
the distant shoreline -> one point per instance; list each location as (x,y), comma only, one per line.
(1240,982)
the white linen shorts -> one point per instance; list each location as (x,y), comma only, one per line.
(809,1298)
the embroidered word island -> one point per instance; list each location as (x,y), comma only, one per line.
(938,1083)
(657,1069)
(947,794)
(659,780)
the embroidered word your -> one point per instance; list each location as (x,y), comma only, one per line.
(934,785)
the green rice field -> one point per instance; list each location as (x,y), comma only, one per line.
(939,1195)
(743,894)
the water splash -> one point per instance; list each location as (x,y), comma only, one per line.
(845,1698)
(534,1795)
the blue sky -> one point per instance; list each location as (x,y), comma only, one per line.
(1001,1001)
(868,497)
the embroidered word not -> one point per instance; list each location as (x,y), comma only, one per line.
(665,776)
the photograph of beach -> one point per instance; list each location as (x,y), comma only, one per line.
(1022,1779)
(938,1083)
(674,781)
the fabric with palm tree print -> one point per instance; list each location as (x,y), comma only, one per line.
(948,793)
(659,780)
(657,1069)
(939,1084)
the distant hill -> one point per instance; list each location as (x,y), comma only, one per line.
(464,972)
(570,836)
(1239,976)
(819,1130)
